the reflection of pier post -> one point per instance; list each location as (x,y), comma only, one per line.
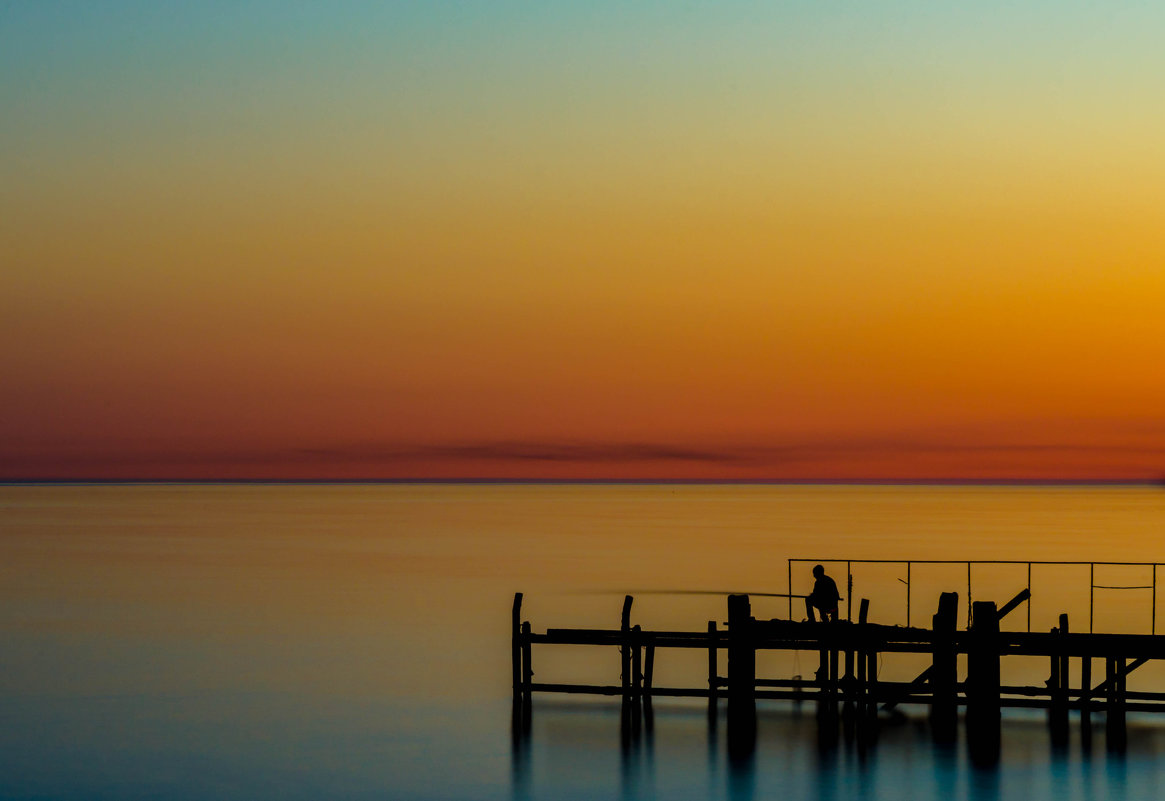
(741,679)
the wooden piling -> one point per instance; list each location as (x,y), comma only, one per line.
(867,667)
(636,663)
(713,679)
(516,644)
(741,678)
(872,693)
(983,707)
(833,679)
(944,670)
(1086,696)
(1058,685)
(648,669)
(648,678)
(1114,724)
(527,667)
(625,650)
(848,682)
(636,679)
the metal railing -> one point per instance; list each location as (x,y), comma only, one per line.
(909,563)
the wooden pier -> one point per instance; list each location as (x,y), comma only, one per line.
(847,685)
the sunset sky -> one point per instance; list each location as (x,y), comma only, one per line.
(840,240)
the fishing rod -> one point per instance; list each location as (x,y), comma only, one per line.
(695,592)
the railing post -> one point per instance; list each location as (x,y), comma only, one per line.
(789,564)
(1091,593)
(849,591)
(970,598)
(908,595)
(1029,592)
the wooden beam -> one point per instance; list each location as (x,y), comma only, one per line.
(1020,597)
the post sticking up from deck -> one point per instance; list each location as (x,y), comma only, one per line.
(516,645)
(625,649)
(630,676)
(521,714)
(944,670)
(741,678)
(983,708)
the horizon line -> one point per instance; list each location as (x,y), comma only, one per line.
(599,481)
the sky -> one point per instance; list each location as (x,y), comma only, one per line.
(730,240)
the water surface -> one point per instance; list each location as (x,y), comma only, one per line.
(352,641)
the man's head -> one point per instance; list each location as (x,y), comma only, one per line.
(818,571)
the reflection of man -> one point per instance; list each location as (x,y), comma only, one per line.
(824,597)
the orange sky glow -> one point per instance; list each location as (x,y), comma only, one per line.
(752,244)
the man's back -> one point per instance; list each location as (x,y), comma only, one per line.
(825,590)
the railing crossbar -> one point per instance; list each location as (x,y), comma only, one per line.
(909,563)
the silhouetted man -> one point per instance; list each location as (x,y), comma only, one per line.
(824,597)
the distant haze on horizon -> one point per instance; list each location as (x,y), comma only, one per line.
(734,240)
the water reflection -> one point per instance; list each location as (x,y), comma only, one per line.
(681,751)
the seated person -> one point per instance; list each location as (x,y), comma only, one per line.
(824,597)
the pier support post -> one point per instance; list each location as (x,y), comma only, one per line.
(1058,686)
(520,714)
(628,653)
(1086,702)
(1114,724)
(944,671)
(648,668)
(516,645)
(867,671)
(713,679)
(527,666)
(983,708)
(741,679)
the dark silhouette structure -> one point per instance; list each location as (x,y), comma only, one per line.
(824,597)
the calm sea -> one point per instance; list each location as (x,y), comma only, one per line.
(352,641)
